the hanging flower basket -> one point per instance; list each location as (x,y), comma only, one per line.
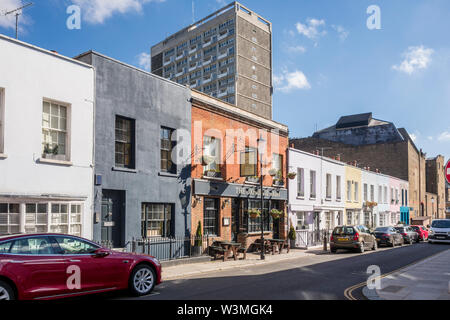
(276,214)
(254,213)
(291,175)
(273,172)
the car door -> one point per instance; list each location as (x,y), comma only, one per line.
(96,272)
(40,273)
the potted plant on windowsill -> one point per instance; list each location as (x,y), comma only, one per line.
(254,213)
(279,182)
(252,179)
(52,153)
(213,173)
(276,214)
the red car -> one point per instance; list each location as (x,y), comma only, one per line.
(53,266)
(422,231)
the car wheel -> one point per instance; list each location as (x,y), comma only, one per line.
(375,246)
(361,248)
(417,240)
(6,292)
(333,250)
(392,244)
(402,242)
(142,280)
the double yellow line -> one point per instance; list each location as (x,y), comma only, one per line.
(348,293)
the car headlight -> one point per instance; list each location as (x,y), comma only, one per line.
(431,231)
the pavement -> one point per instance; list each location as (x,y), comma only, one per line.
(428,279)
(252,259)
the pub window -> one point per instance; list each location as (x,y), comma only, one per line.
(248,163)
(365,192)
(277,164)
(124,143)
(156,220)
(254,224)
(356,191)
(211,217)
(211,149)
(167,146)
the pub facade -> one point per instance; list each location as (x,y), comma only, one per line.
(227,147)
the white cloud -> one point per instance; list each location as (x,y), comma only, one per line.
(9,21)
(415,58)
(312,29)
(144,61)
(444,136)
(296,49)
(289,81)
(342,32)
(97,11)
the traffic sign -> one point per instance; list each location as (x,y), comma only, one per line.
(447,171)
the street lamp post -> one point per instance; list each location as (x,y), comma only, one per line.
(261,148)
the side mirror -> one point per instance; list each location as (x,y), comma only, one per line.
(101,253)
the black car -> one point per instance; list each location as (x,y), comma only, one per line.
(408,233)
(388,236)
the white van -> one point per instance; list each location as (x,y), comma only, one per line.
(440,231)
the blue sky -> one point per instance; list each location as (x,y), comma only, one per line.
(327,63)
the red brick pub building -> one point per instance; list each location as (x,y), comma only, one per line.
(226,171)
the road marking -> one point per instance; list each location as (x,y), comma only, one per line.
(348,293)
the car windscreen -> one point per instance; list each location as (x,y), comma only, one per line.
(400,229)
(344,230)
(381,229)
(416,228)
(444,224)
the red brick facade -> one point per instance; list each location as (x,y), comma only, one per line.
(236,130)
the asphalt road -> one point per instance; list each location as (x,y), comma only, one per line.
(319,277)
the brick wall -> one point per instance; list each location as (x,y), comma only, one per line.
(210,123)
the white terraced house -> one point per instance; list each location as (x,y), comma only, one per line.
(46,141)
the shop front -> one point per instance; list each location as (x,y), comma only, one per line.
(226,208)
(404,215)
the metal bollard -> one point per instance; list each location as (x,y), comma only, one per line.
(325,239)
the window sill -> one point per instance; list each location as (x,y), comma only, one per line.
(328,199)
(167,174)
(212,178)
(3,156)
(300,198)
(258,233)
(338,200)
(57,162)
(312,198)
(252,183)
(124,170)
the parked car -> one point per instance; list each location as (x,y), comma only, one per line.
(440,231)
(352,237)
(409,235)
(53,266)
(422,232)
(388,236)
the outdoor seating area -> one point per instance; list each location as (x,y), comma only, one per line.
(273,245)
(223,249)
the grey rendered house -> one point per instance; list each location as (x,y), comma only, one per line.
(141,189)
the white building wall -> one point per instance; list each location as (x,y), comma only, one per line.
(383,205)
(320,205)
(29,75)
(370,178)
